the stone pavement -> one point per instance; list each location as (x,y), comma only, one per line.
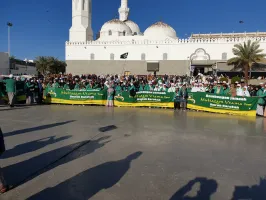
(98,153)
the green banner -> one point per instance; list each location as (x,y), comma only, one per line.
(198,101)
(57,95)
(223,104)
(145,97)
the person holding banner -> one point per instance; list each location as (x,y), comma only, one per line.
(261,102)
(183,97)
(110,95)
(177,100)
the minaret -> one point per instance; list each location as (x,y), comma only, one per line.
(123,10)
(81,30)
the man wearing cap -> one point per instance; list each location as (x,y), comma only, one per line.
(10,89)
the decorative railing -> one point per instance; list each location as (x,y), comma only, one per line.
(168,41)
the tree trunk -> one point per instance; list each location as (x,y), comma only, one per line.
(246,68)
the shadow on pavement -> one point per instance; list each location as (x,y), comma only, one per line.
(8,108)
(255,192)
(206,189)
(88,183)
(107,128)
(24,171)
(31,146)
(37,128)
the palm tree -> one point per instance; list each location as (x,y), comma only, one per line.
(246,55)
(42,64)
(49,64)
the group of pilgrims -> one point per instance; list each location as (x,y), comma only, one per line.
(180,85)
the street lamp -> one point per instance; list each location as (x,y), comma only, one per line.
(26,61)
(9,25)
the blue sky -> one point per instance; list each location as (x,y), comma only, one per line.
(41,27)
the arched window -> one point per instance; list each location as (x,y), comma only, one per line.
(124,33)
(135,33)
(224,56)
(92,56)
(143,56)
(112,56)
(165,56)
(109,32)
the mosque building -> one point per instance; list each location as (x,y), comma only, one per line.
(158,48)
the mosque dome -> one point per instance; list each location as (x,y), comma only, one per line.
(115,27)
(159,30)
(133,26)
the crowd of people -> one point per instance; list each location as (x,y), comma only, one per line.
(180,85)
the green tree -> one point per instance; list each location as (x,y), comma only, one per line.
(49,64)
(245,56)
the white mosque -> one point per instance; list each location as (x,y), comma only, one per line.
(158,48)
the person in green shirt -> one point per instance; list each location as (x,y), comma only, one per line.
(77,86)
(89,86)
(66,86)
(118,89)
(226,90)
(55,84)
(141,86)
(49,84)
(29,87)
(260,93)
(261,102)
(148,87)
(10,89)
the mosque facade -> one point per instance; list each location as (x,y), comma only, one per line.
(158,48)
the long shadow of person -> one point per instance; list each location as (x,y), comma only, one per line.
(31,146)
(207,188)
(37,128)
(255,192)
(88,183)
(24,171)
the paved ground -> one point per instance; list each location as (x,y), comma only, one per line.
(80,153)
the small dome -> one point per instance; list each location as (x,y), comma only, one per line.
(160,29)
(115,27)
(133,26)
